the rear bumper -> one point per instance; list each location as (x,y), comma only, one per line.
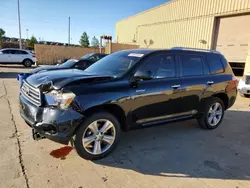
(34,61)
(54,124)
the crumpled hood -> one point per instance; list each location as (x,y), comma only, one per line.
(60,78)
(45,68)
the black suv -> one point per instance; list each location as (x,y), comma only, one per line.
(125,90)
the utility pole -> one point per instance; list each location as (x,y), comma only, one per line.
(100,44)
(27,32)
(69,31)
(20,37)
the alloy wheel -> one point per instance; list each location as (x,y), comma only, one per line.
(215,114)
(27,63)
(99,136)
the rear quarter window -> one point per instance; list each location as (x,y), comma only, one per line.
(23,52)
(214,63)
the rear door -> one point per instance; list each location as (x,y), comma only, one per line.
(18,56)
(194,76)
(219,79)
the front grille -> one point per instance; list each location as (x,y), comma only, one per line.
(32,94)
(248,80)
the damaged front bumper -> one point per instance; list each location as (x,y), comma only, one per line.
(55,124)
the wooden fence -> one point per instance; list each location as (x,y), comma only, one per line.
(118,46)
(49,55)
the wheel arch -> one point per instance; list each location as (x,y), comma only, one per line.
(223,97)
(114,109)
(28,59)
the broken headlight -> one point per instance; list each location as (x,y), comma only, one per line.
(59,99)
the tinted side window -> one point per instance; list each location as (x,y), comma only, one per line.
(205,68)
(93,58)
(81,64)
(215,64)
(160,66)
(166,68)
(12,51)
(97,57)
(191,65)
(19,52)
(224,62)
(22,52)
(102,55)
(89,63)
(6,51)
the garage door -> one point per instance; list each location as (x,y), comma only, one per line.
(233,37)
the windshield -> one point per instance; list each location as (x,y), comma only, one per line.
(86,56)
(68,64)
(115,64)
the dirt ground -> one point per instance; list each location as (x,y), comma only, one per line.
(176,155)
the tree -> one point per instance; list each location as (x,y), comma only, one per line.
(84,40)
(32,41)
(2,33)
(95,42)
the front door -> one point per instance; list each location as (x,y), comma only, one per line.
(5,56)
(157,99)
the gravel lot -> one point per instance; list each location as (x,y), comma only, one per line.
(175,155)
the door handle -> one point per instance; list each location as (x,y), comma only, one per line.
(176,86)
(210,82)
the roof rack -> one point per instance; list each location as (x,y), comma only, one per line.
(195,49)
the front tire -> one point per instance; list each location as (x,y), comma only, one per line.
(27,63)
(212,113)
(97,136)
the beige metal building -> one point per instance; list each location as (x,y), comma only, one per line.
(223,25)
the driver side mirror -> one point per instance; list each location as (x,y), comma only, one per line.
(143,75)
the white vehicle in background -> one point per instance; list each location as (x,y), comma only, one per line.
(244,85)
(17,56)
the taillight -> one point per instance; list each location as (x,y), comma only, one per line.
(34,56)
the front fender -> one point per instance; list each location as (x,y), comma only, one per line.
(86,102)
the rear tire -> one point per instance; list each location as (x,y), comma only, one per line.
(212,113)
(27,63)
(92,141)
